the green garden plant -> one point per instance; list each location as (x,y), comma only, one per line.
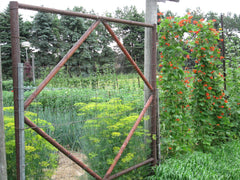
(233,81)
(41,157)
(221,164)
(194,110)
(106,126)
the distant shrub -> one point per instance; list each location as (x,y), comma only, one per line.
(7,85)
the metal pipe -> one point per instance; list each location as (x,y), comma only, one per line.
(154,103)
(3,160)
(223,53)
(131,168)
(60,64)
(21,122)
(158,130)
(15,42)
(33,68)
(127,55)
(60,148)
(78,14)
(128,138)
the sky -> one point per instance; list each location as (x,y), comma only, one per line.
(101,6)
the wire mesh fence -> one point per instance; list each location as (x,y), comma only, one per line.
(90,106)
(91,121)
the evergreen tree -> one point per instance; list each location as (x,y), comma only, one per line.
(44,39)
(5,41)
(132,36)
(93,53)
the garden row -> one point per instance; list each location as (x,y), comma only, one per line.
(92,121)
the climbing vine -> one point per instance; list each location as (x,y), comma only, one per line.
(193,109)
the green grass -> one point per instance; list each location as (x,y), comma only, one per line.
(223,163)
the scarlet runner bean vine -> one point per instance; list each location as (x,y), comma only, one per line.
(194,111)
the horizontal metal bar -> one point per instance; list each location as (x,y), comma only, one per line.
(131,168)
(78,14)
(60,148)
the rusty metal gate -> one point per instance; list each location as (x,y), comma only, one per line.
(14,6)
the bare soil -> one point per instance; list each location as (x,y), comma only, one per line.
(68,170)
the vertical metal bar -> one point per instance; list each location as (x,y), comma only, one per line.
(128,138)
(127,55)
(14,24)
(3,161)
(21,122)
(158,130)
(223,53)
(60,64)
(154,102)
(33,68)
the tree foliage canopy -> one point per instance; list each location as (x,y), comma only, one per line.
(53,35)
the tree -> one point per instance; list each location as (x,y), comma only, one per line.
(5,40)
(95,51)
(132,36)
(43,38)
(73,29)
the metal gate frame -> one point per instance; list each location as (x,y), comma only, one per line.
(15,42)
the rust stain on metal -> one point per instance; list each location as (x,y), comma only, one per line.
(154,103)
(78,14)
(15,42)
(131,168)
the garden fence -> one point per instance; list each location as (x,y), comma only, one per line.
(92,121)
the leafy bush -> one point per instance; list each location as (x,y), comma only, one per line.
(7,85)
(8,98)
(104,131)
(40,156)
(222,163)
